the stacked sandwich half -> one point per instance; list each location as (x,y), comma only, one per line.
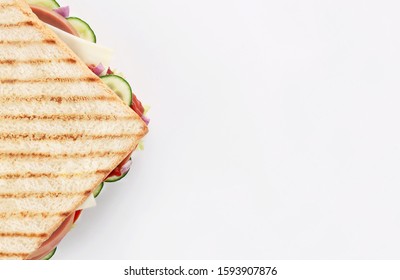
(62,131)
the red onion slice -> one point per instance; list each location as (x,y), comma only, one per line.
(125,168)
(146,119)
(62,11)
(97,69)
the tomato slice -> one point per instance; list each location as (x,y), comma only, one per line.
(77,215)
(137,106)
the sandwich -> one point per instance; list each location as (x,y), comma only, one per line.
(67,124)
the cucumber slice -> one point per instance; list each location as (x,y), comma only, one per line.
(97,190)
(50,255)
(83,29)
(51,4)
(113,179)
(120,86)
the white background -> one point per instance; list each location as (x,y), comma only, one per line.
(285,269)
(274,131)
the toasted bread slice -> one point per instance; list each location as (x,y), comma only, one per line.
(62,131)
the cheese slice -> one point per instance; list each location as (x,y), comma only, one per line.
(89,52)
(89,203)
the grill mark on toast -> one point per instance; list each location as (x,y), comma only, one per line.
(61,137)
(28,214)
(38,61)
(24,234)
(142,133)
(49,41)
(50,80)
(71,117)
(30,175)
(13,255)
(17,24)
(27,13)
(7,5)
(21,42)
(40,195)
(55,98)
(66,155)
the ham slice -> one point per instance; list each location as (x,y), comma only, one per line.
(48,16)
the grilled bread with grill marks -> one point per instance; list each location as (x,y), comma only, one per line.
(62,131)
